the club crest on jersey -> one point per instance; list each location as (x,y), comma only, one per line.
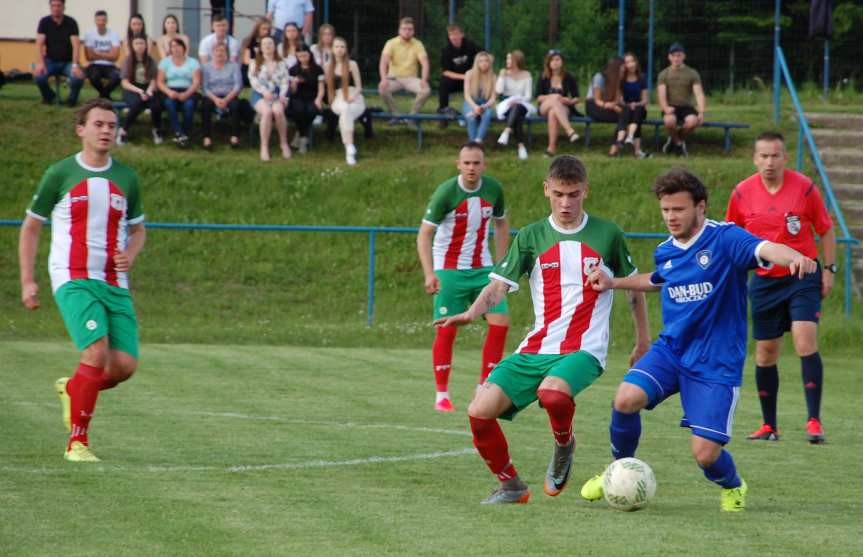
(792,223)
(486,212)
(118,202)
(590,264)
(703,258)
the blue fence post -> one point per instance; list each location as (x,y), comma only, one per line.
(651,24)
(370,309)
(826,68)
(621,17)
(800,147)
(848,279)
(229,14)
(326,11)
(777,87)
(451,11)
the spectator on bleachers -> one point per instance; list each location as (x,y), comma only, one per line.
(675,88)
(269,78)
(136,28)
(604,99)
(57,52)
(401,58)
(222,84)
(219,35)
(557,96)
(344,89)
(323,49)
(179,79)
(299,12)
(479,96)
(102,49)
(635,98)
(515,85)
(290,44)
(455,60)
(171,31)
(140,90)
(251,44)
(307,94)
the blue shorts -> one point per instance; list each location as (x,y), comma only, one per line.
(777,301)
(708,408)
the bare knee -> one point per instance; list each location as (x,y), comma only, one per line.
(630,398)
(805,335)
(121,366)
(489,403)
(767,352)
(704,451)
(96,354)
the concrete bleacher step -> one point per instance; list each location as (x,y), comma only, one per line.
(852,211)
(845,174)
(845,191)
(842,156)
(837,138)
(835,120)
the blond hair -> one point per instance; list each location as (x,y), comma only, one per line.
(482,83)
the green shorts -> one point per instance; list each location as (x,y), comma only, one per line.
(459,289)
(519,375)
(93,309)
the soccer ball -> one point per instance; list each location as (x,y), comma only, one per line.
(628,484)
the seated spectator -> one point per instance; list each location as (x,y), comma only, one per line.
(323,49)
(557,96)
(170,31)
(137,28)
(635,98)
(604,101)
(251,44)
(515,85)
(479,96)
(299,12)
(179,79)
(222,85)
(307,94)
(57,52)
(139,89)
(290,44)
(102,48)
(676,85)
(344,88)
(401,58)
(219,35)
(455,60)
(269,78)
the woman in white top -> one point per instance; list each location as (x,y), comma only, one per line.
(479,96)
(344,90)
(323,49)
(515,84)
(269,78)
(170,31)
(288,48)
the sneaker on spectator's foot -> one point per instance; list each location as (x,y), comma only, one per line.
(157,137)
(522,153)
(295,142)
(303,145)
(351,160)
(668,146)
(184,141)
(764,433)
(681,149)
(318,120)
(121,137)
(573,137)
(814,432)
(504,138)
(629,139)
(642,155)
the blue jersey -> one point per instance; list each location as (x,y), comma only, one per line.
(704,299)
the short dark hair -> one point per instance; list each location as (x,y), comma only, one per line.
(770,135)
(677,180)
(219,17)
(406,21)
(472,145)
(84,111)
(100,12)
(52,1)
(567,169)
(454,27)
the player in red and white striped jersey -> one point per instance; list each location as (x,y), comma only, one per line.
(97,231)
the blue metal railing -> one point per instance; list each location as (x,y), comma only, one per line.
(805,134)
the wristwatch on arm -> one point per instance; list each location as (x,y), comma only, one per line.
(833,268)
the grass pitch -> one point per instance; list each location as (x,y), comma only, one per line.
(262,450)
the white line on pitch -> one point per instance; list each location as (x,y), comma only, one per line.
(333,424)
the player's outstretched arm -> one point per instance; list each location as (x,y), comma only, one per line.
(780,254)
(490,296)
(601,282)
(28,244)
(424,250)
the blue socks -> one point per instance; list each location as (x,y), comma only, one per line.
(723,471)
(624,431)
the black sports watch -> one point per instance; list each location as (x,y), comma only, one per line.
(833,268)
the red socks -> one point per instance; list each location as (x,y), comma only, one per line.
(442,356)
(492,350)
(561,409)
(489,440)
(83,391)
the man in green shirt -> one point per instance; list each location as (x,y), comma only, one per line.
(677,84)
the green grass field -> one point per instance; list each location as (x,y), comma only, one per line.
(251,450)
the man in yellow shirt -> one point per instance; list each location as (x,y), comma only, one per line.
(400,59)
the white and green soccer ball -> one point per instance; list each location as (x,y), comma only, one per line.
(628,484)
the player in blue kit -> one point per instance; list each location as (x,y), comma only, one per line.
(701,272)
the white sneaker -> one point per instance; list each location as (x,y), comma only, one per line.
(304,145)
(351,149)
(318,120)
(157,137)
(295,142)
(121,137)
(629,140)
(522,153)
(504,138)
(351,159)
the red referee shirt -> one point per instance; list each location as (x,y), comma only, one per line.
(785,217)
